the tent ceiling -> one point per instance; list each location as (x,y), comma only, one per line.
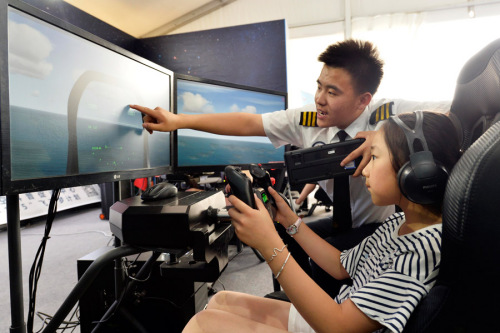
(147,18)
(138,18)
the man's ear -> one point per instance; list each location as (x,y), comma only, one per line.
(364,100)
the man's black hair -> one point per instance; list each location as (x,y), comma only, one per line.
(360,59)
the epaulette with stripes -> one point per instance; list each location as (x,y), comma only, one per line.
(383,112)
(308,119)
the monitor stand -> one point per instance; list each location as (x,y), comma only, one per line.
(15,264)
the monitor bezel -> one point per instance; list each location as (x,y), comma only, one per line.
(10,186)
(217,168)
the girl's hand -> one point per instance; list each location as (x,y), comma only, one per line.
(283,214)
(253,227)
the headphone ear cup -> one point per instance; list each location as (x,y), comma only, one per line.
(422,191)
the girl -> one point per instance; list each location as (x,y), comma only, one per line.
(392,270)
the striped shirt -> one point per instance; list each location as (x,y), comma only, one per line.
(392,273)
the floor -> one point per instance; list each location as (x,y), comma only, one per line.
(80,231)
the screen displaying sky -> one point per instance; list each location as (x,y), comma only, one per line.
(200,97)
(69,100)
(47,61)
(196,148)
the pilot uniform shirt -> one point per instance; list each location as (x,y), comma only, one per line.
(391,274)
(298,127)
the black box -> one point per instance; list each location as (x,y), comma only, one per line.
(159,303)
(309,165)
(179,222)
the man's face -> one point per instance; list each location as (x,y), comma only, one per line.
(337,103)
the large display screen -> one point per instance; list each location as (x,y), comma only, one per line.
(65,115)
(202,151)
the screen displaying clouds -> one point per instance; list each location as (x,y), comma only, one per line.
(29,59)
(196,148)
(69,102)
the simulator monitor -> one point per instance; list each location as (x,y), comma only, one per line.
(65,119)
(197,151)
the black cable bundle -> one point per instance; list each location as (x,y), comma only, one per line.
(36,268)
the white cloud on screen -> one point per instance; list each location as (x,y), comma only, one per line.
(195,103)
(247,109)
(262,101)
(28,51)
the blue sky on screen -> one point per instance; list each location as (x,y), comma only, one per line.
(201,97)
(45,62)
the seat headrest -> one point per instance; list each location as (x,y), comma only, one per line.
(476,104)
(471,211)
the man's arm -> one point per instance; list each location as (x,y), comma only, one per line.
(308,188)
(363,150)
(241,124)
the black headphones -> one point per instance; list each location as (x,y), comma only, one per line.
(422,179)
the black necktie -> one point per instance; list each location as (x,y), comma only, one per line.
(342,219)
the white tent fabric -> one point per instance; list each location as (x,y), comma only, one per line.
(423,43)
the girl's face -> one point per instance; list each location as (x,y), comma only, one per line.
(380,176)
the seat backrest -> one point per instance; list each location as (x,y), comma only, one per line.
(476,103)
(471,233)
(465,297)
(461,300)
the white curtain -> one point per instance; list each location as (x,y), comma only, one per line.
(423,52)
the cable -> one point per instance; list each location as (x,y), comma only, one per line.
(68,323)
(72,324)
(74,233)
(126,266)
(36,268)
(220,282)
(147,267)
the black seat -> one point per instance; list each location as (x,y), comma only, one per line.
(476,104)
(464,298)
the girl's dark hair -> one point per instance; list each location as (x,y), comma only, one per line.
(440,135)
(360,59)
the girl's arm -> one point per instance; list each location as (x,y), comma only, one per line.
(256,229)
(316,306)
(323,253)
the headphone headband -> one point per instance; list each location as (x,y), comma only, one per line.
(422,179)
(416,133)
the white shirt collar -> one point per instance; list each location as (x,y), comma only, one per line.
(358,125)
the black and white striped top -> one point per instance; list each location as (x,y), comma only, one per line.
(392,273)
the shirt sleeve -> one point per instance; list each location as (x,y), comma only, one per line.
(390,299)
(392,275)
(381,110)
(283,127)
(350,258)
